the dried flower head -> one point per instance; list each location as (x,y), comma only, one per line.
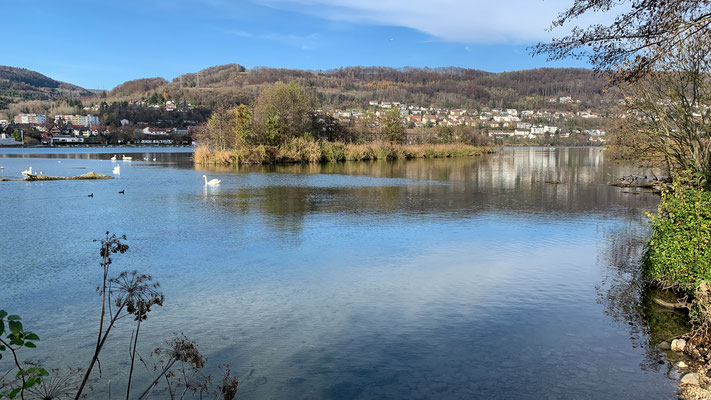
(60,384)
(137,292)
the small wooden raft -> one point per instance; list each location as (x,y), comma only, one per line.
(88,176)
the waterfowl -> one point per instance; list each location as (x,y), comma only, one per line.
(122,191)
(212,182)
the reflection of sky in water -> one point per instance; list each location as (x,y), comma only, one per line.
(445,278)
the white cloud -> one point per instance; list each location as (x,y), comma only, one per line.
(465,21)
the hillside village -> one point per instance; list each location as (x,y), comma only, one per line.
(502,125)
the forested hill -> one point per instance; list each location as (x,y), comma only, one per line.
(343,87)
(355,86)
(19,84)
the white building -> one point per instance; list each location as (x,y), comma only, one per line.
(30,119)
(77,120)
(67,139)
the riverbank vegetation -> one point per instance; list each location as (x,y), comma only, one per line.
(659,57)
(284,126)
(304,151)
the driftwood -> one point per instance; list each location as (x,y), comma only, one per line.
(672,306)
(88,176)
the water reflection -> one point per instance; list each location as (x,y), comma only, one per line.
(458,278)
(628,296)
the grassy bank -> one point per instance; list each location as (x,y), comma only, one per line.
(305,151)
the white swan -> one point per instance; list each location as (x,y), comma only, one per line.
(117,170)
(125,158)
(113,158)
(27,171)
(212,182)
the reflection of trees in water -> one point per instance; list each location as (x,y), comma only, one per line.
(628,296)
(516,181)
(286,207)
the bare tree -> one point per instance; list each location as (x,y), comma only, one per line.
(668,111)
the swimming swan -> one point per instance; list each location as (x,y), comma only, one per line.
(212,182)
(117,170)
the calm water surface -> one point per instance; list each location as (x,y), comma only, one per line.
(464,278)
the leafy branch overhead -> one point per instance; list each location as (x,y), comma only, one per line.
(638,39)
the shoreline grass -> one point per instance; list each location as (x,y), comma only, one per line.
(304,151)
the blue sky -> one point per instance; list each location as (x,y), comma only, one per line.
(102,43)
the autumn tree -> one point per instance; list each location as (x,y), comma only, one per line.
(282,111)
(391,126)
(219,133)
(242,124)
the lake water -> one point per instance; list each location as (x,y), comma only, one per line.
(499,277)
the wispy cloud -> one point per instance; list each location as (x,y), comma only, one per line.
(465,21)
(304,42)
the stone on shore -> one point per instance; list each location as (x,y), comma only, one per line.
(691,379)
(678,344)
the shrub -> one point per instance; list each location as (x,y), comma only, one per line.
(223,157)
(202,155)
(679,254)
(333,151)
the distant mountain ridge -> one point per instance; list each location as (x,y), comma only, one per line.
(20,84)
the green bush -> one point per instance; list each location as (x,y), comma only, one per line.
(679,254)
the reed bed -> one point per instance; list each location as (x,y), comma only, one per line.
(306,151)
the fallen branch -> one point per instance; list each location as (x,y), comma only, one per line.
(673,306)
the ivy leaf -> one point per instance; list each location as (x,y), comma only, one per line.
(15,326)
(14,393)
(32,336)
(30,345)
(14,318)
(3,314)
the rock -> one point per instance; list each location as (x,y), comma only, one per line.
(678,344)
(681,364)
(664,345)
(690,379)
